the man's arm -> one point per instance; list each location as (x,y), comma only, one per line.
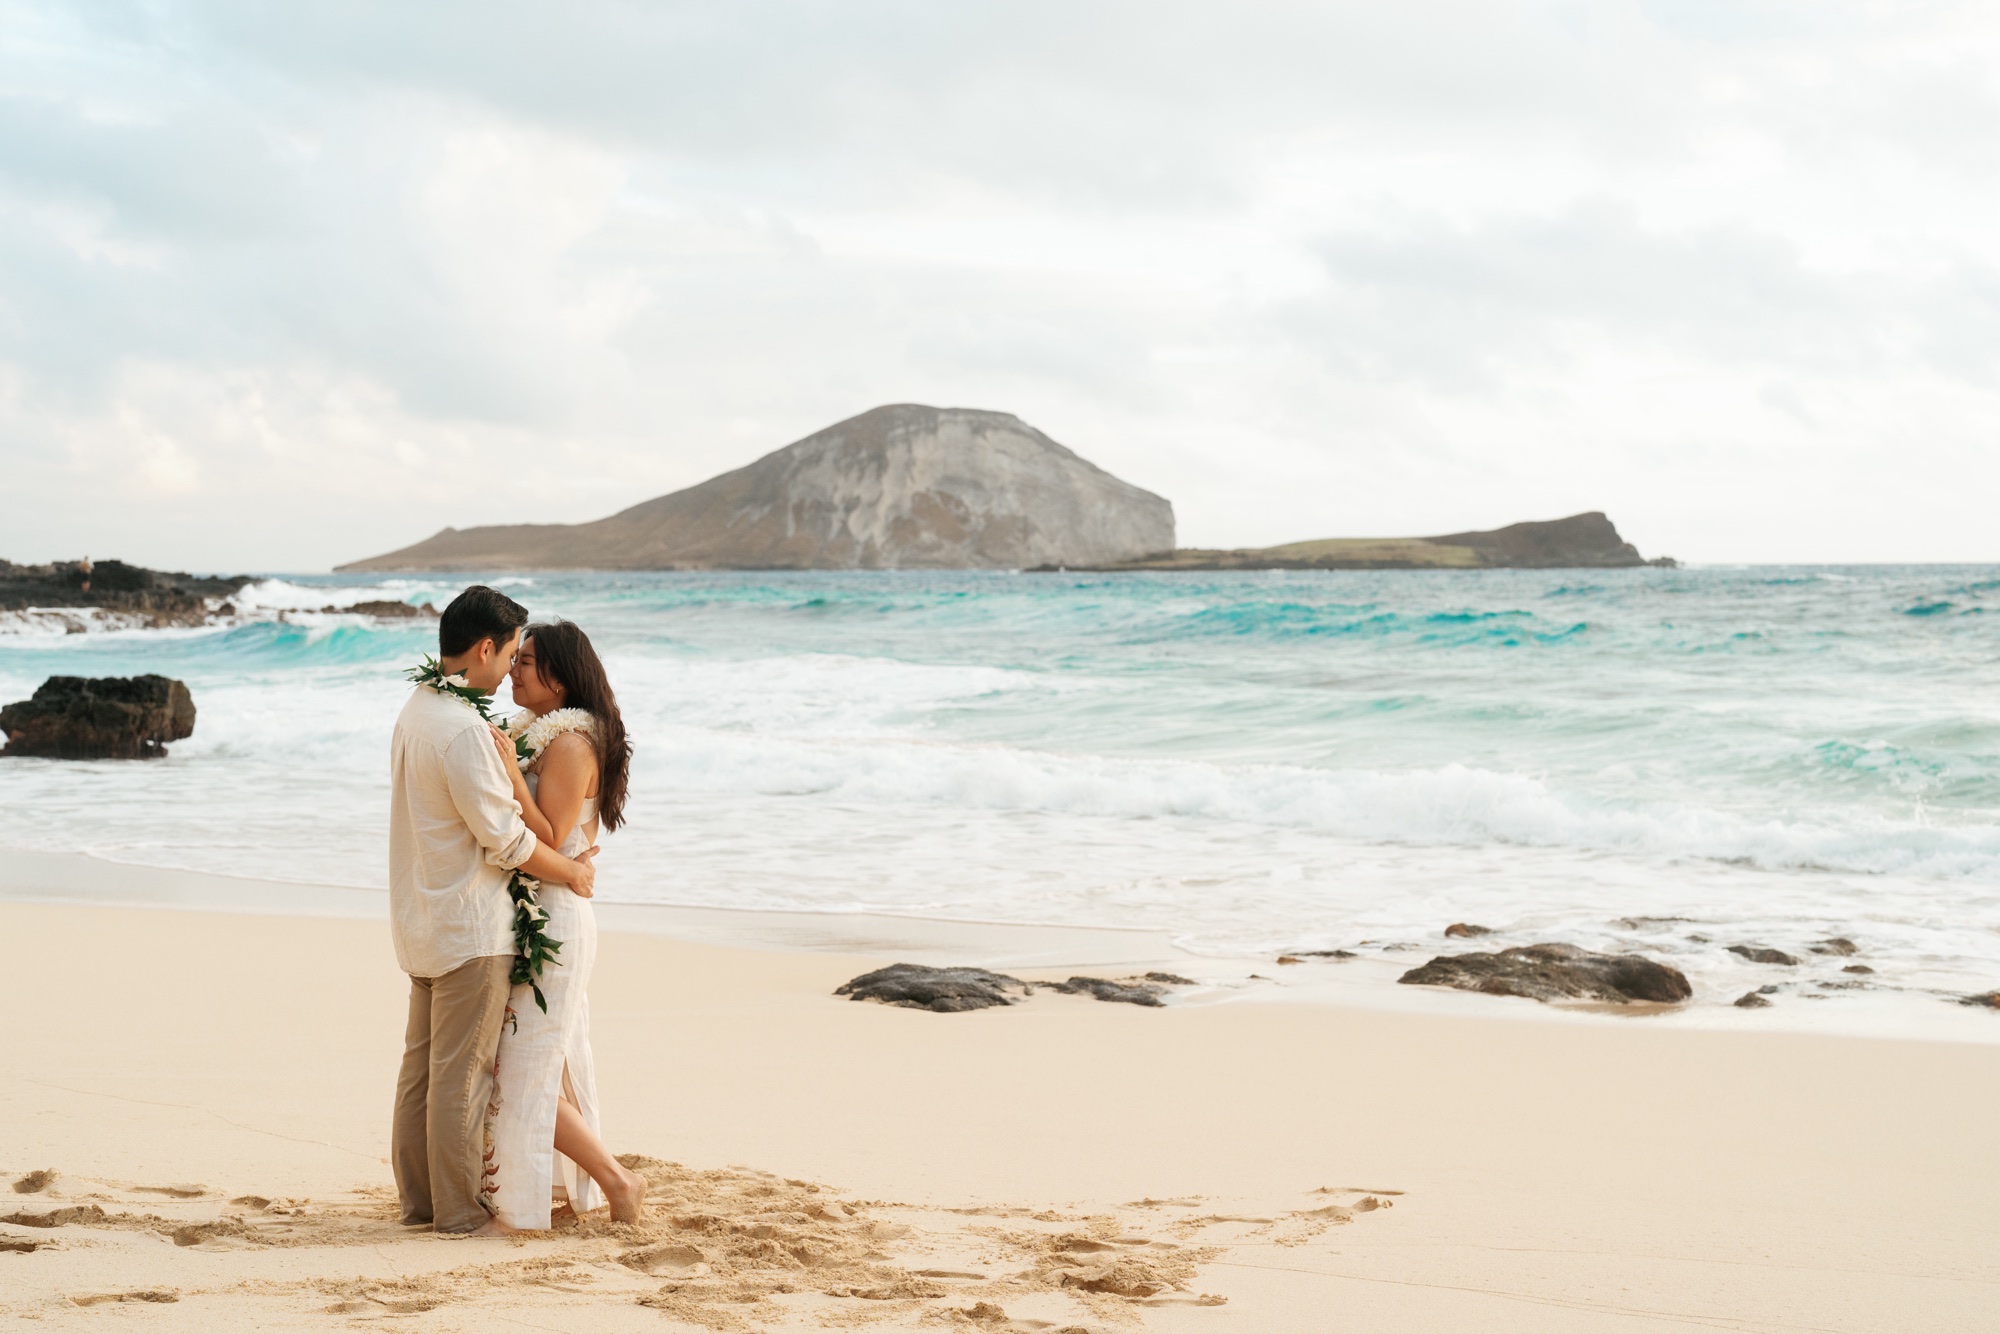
(548,864)
(484,796)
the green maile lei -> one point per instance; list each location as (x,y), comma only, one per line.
(534,948)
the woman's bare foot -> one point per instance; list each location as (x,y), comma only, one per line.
(627,1196)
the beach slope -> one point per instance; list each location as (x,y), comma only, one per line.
(212,1093)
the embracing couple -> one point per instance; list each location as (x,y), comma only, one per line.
(491,834)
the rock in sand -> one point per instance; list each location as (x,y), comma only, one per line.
(1759,954)
(1555,972)
(1133,993)
(945,990)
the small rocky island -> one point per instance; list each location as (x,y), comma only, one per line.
(901,487)
(1582,541)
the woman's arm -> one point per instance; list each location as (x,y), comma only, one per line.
(531,813)
(569,771)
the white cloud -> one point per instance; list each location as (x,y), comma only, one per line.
(277,284)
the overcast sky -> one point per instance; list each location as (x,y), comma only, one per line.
(288,284)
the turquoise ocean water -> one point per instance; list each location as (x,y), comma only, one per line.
(1254,762)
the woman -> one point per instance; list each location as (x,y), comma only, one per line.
(543,1122)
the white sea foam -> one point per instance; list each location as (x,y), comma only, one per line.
(272,595)
(50,622)
(1452,805)
(56,623)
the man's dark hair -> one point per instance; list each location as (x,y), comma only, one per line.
(478,613)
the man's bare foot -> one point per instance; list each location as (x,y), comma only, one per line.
(492,1227)
(627,1196)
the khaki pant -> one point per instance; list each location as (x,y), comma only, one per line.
(438,1142)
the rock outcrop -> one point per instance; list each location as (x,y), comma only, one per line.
(950,990)
(108,718)
(152,597)
(1586,541)
(1763,954)
(1106,989)
(386,610)
(1555,972)
(946,990)
(900,487)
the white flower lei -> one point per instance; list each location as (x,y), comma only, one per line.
(534,947)
(532,734)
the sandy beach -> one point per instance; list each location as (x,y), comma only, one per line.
(211,1091)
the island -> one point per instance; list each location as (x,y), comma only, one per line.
(1582,541)
(900,487)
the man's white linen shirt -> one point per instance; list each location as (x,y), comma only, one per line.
(455,835)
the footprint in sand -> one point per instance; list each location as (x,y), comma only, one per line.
(75,1213)
(377,1306)
(194,1234)
(36,1182)
(139,1295)
(664,1261)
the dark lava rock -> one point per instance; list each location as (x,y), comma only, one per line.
(394,611)
(1465,930)
(1758,954)
(1990,999)
(1752,1000)
(1134,993)
(1555,972)
(1172,979)
(1325,954)
(1857,968)
(946,990)
(109,718)
(157,597)
(1840,945)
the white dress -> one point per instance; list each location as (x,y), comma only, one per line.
(544,1057)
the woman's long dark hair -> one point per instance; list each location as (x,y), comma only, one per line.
(564,657)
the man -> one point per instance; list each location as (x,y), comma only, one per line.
(455,837)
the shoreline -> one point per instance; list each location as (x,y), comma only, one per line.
(1040,950)
(177,1067)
